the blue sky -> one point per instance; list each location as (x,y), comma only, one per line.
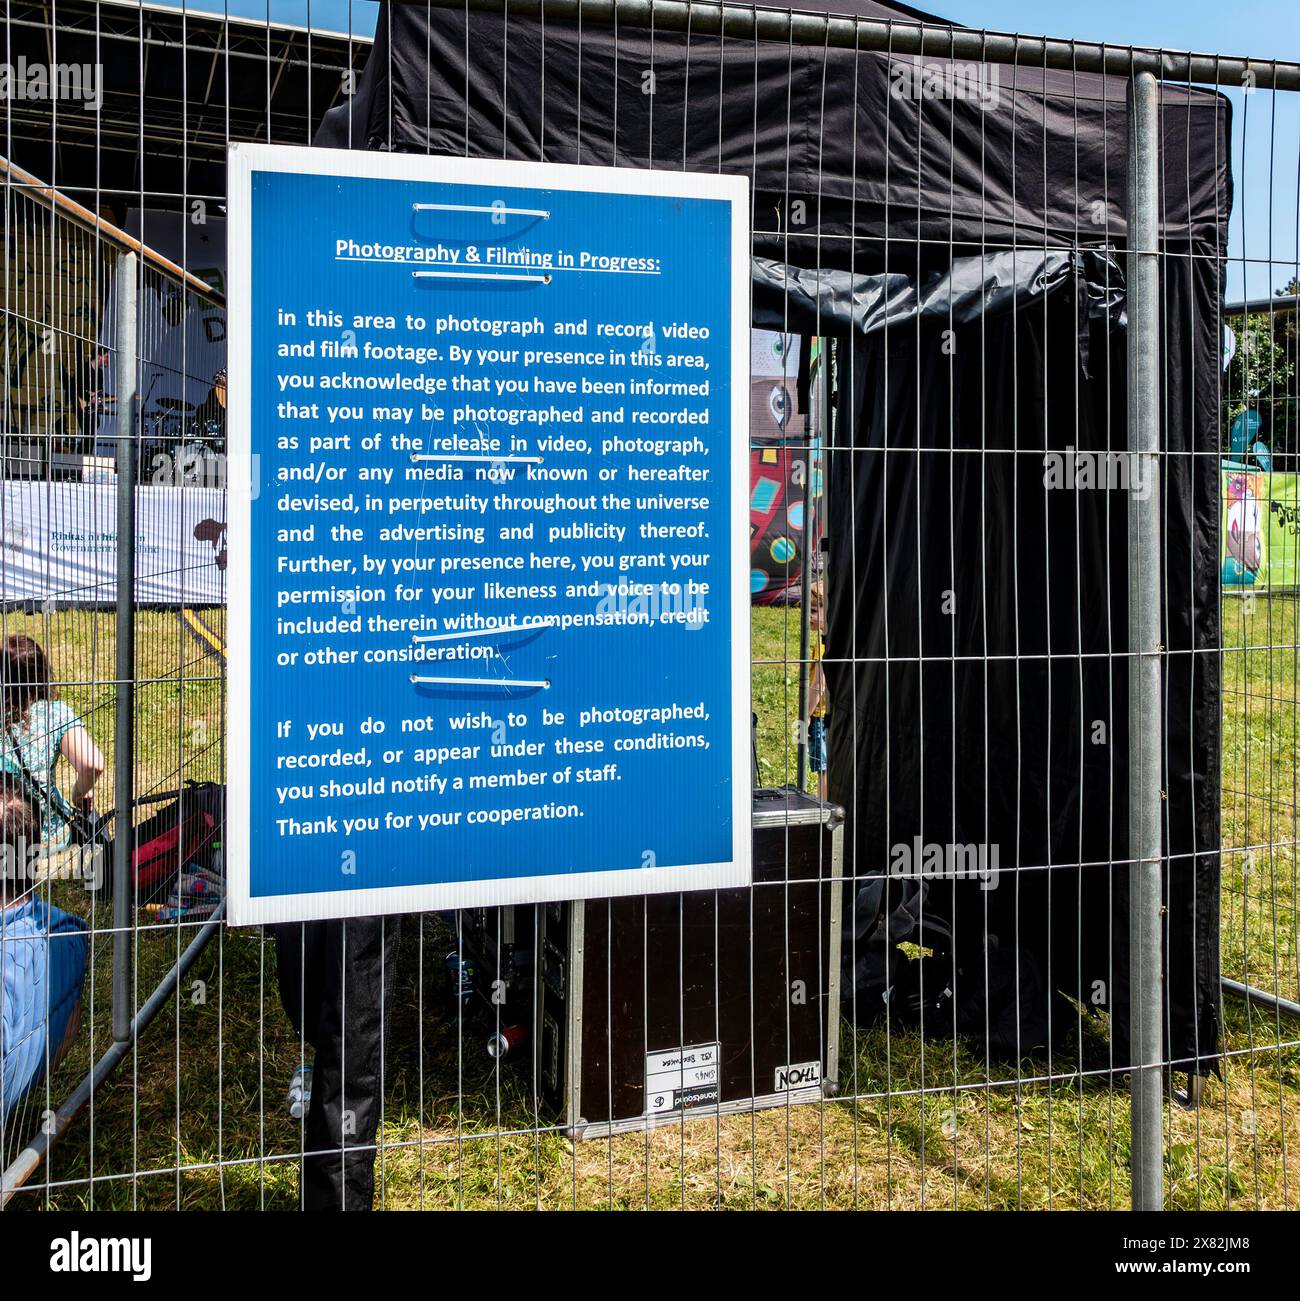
(334,15)
(1260,27)
(1270,27)
(1266,134)
(1266,128)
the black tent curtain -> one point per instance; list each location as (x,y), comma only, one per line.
(977,622)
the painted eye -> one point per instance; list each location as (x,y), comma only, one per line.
(778,402)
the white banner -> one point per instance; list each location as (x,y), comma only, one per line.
(59,543)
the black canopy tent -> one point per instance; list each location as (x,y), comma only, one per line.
(965,250)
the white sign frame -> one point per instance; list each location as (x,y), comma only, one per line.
(246,910)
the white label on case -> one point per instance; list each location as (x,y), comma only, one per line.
(676,1078)
(798,1075)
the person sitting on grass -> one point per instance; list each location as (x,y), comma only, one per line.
(38,728)
(42,958)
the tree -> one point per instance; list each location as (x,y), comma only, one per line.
(1262,376)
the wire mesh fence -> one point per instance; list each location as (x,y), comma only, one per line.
(1024,525)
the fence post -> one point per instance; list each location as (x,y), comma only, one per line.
(1145,722)
(124,737)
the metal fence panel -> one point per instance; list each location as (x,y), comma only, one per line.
(1026,539)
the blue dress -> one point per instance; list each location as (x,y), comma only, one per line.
(42,970)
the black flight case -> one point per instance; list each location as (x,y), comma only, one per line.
(633,1011)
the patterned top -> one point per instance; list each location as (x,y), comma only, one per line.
(39,737)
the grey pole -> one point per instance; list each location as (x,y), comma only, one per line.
(124,740)
(1145,723)
(1261,998)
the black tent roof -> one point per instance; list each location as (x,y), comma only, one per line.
(835,140)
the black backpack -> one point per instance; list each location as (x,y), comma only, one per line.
(900,960)
(904,962)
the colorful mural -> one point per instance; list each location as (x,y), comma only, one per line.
(785,474)
(1261,528)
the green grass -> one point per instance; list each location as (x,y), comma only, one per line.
(199,1112)
(774,648)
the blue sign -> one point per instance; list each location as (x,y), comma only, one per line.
(488,564)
